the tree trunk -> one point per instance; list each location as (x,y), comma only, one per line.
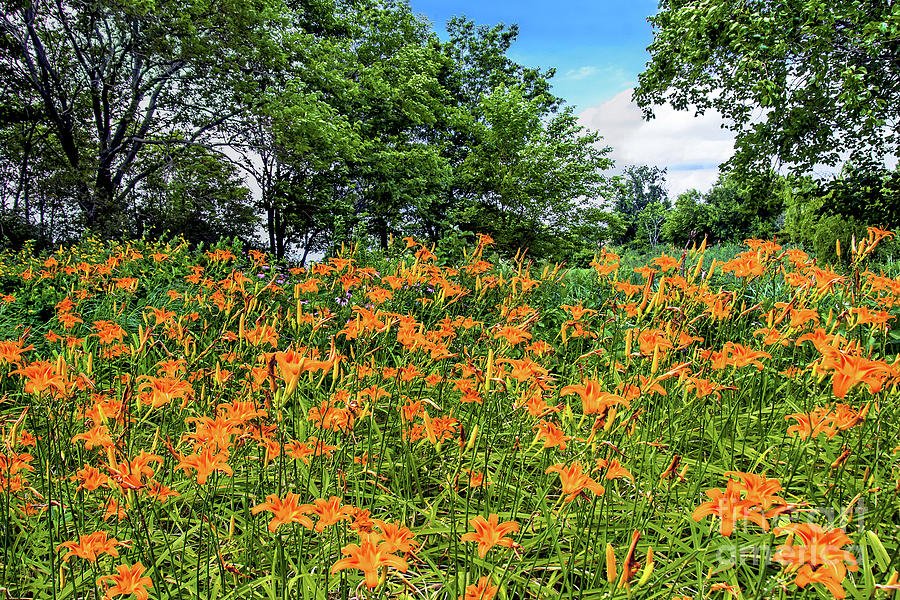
(270,226)
(280,242)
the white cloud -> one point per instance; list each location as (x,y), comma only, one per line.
(581,72)
(699,179)
(690,147)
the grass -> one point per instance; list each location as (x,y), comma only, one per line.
(191,424)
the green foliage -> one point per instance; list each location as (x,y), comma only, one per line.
(801,82)
(688,219)
(197,196)
(637,188)
(112,80)
(651,219)
(529,173)
(744,208)
(819,215)
(732,210)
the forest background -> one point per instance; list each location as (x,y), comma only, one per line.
(296,126)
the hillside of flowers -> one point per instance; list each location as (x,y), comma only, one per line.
(190,424)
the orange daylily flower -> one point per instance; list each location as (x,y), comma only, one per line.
(159,391)
(109,332)
(613,469)
(729,507)
(489,533)
(96,436)
(718,359)
(666,263)
(825,279)
(89,478)
(369,556)
(312,447)
(262,334)
(11,351)
(329,511)
(160,492)
(39,376)
(128,580)
(205,463)
(820,559)
(90,546)
(757,489)
(483,590)
(161,315)
(552,435)
(844,416)
(285,510)
(214,434)
(866,316)
(535,404)
(291,364)
(704,387)
(742,356)
(593,399)
(827,420)
(513,335)
(129,474)
(818,337)
(574,481)
(396,537)
(802,316)
(651,341)
(240,412)
(850,370)
(746,264)
(811,424)
(524,369)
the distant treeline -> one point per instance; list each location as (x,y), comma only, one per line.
(314,122)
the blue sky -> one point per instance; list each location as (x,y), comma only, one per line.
(598,48)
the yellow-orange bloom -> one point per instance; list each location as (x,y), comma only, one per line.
(90,546)
(329,511)
(41,375)
(483,590)
(128,580)
(593,399)
(820,559)
(489,533)
(369,556)
(205,463)
(285,511)
(574,481)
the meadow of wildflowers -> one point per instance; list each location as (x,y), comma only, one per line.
(182,424)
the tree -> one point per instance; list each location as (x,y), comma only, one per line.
(348,119)
(521,166)
(113,78)
(688,220)
(529,173)
(35,185)
(740,208)
(638,187)
(819,213)
(401,169)
(342,145)
(652,219)
(801,82)
(197,195)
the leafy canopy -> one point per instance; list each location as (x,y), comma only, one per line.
(801,82)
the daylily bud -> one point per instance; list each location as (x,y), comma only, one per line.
(611,574)
(648,568)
